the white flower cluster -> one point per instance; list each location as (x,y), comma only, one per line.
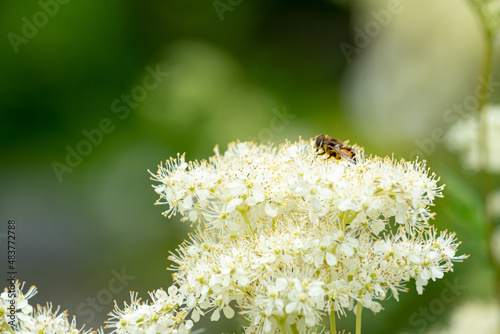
(466,137)
(286,237)
(162,316)
(249,186)
(18,316)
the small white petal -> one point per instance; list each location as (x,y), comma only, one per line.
(202,194)
(331,259)
(271,209)
(232,204)
(215,315)
(237,188)
(193,216)
(316,204)
(347,204)
(281,284)
(228,312)
(291,307)
(258,195)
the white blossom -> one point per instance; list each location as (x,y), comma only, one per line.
(286,237)
(162,315)
(27,319)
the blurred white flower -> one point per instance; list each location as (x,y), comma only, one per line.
(495,243)
(388,76)
(466,138)
(493,204)
(473,317)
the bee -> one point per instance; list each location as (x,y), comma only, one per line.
(333,148)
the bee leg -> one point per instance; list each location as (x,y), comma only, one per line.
(335,155)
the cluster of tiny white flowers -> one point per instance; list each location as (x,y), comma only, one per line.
(286,236)
(161,316)
(465,137)
(18,316)
(14,305)
(251,185)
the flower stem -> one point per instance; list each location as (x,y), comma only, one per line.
(247,221)
(359,309)
(294,328)
(333,330)
(486,70)
(487,183)
(342,220)
(484,85)
(281,323)
(236,286)
(491,257)
(9,329)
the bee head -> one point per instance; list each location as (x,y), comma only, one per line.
(318,141)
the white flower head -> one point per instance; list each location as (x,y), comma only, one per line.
(251,185)
(286,236)
(20,317)
(162,315)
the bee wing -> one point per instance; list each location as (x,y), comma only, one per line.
(344,153)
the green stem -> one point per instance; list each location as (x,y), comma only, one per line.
(236,286)
(9,329)
(294,328)
(333,329)
(486,65)
(247,221)
(359,309)
(487,182)
(350,217)
(491,258)
(346,218)
(483,85)
(484,80)
(342,220)
(281,323)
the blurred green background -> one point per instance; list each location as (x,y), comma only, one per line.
(127,84)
